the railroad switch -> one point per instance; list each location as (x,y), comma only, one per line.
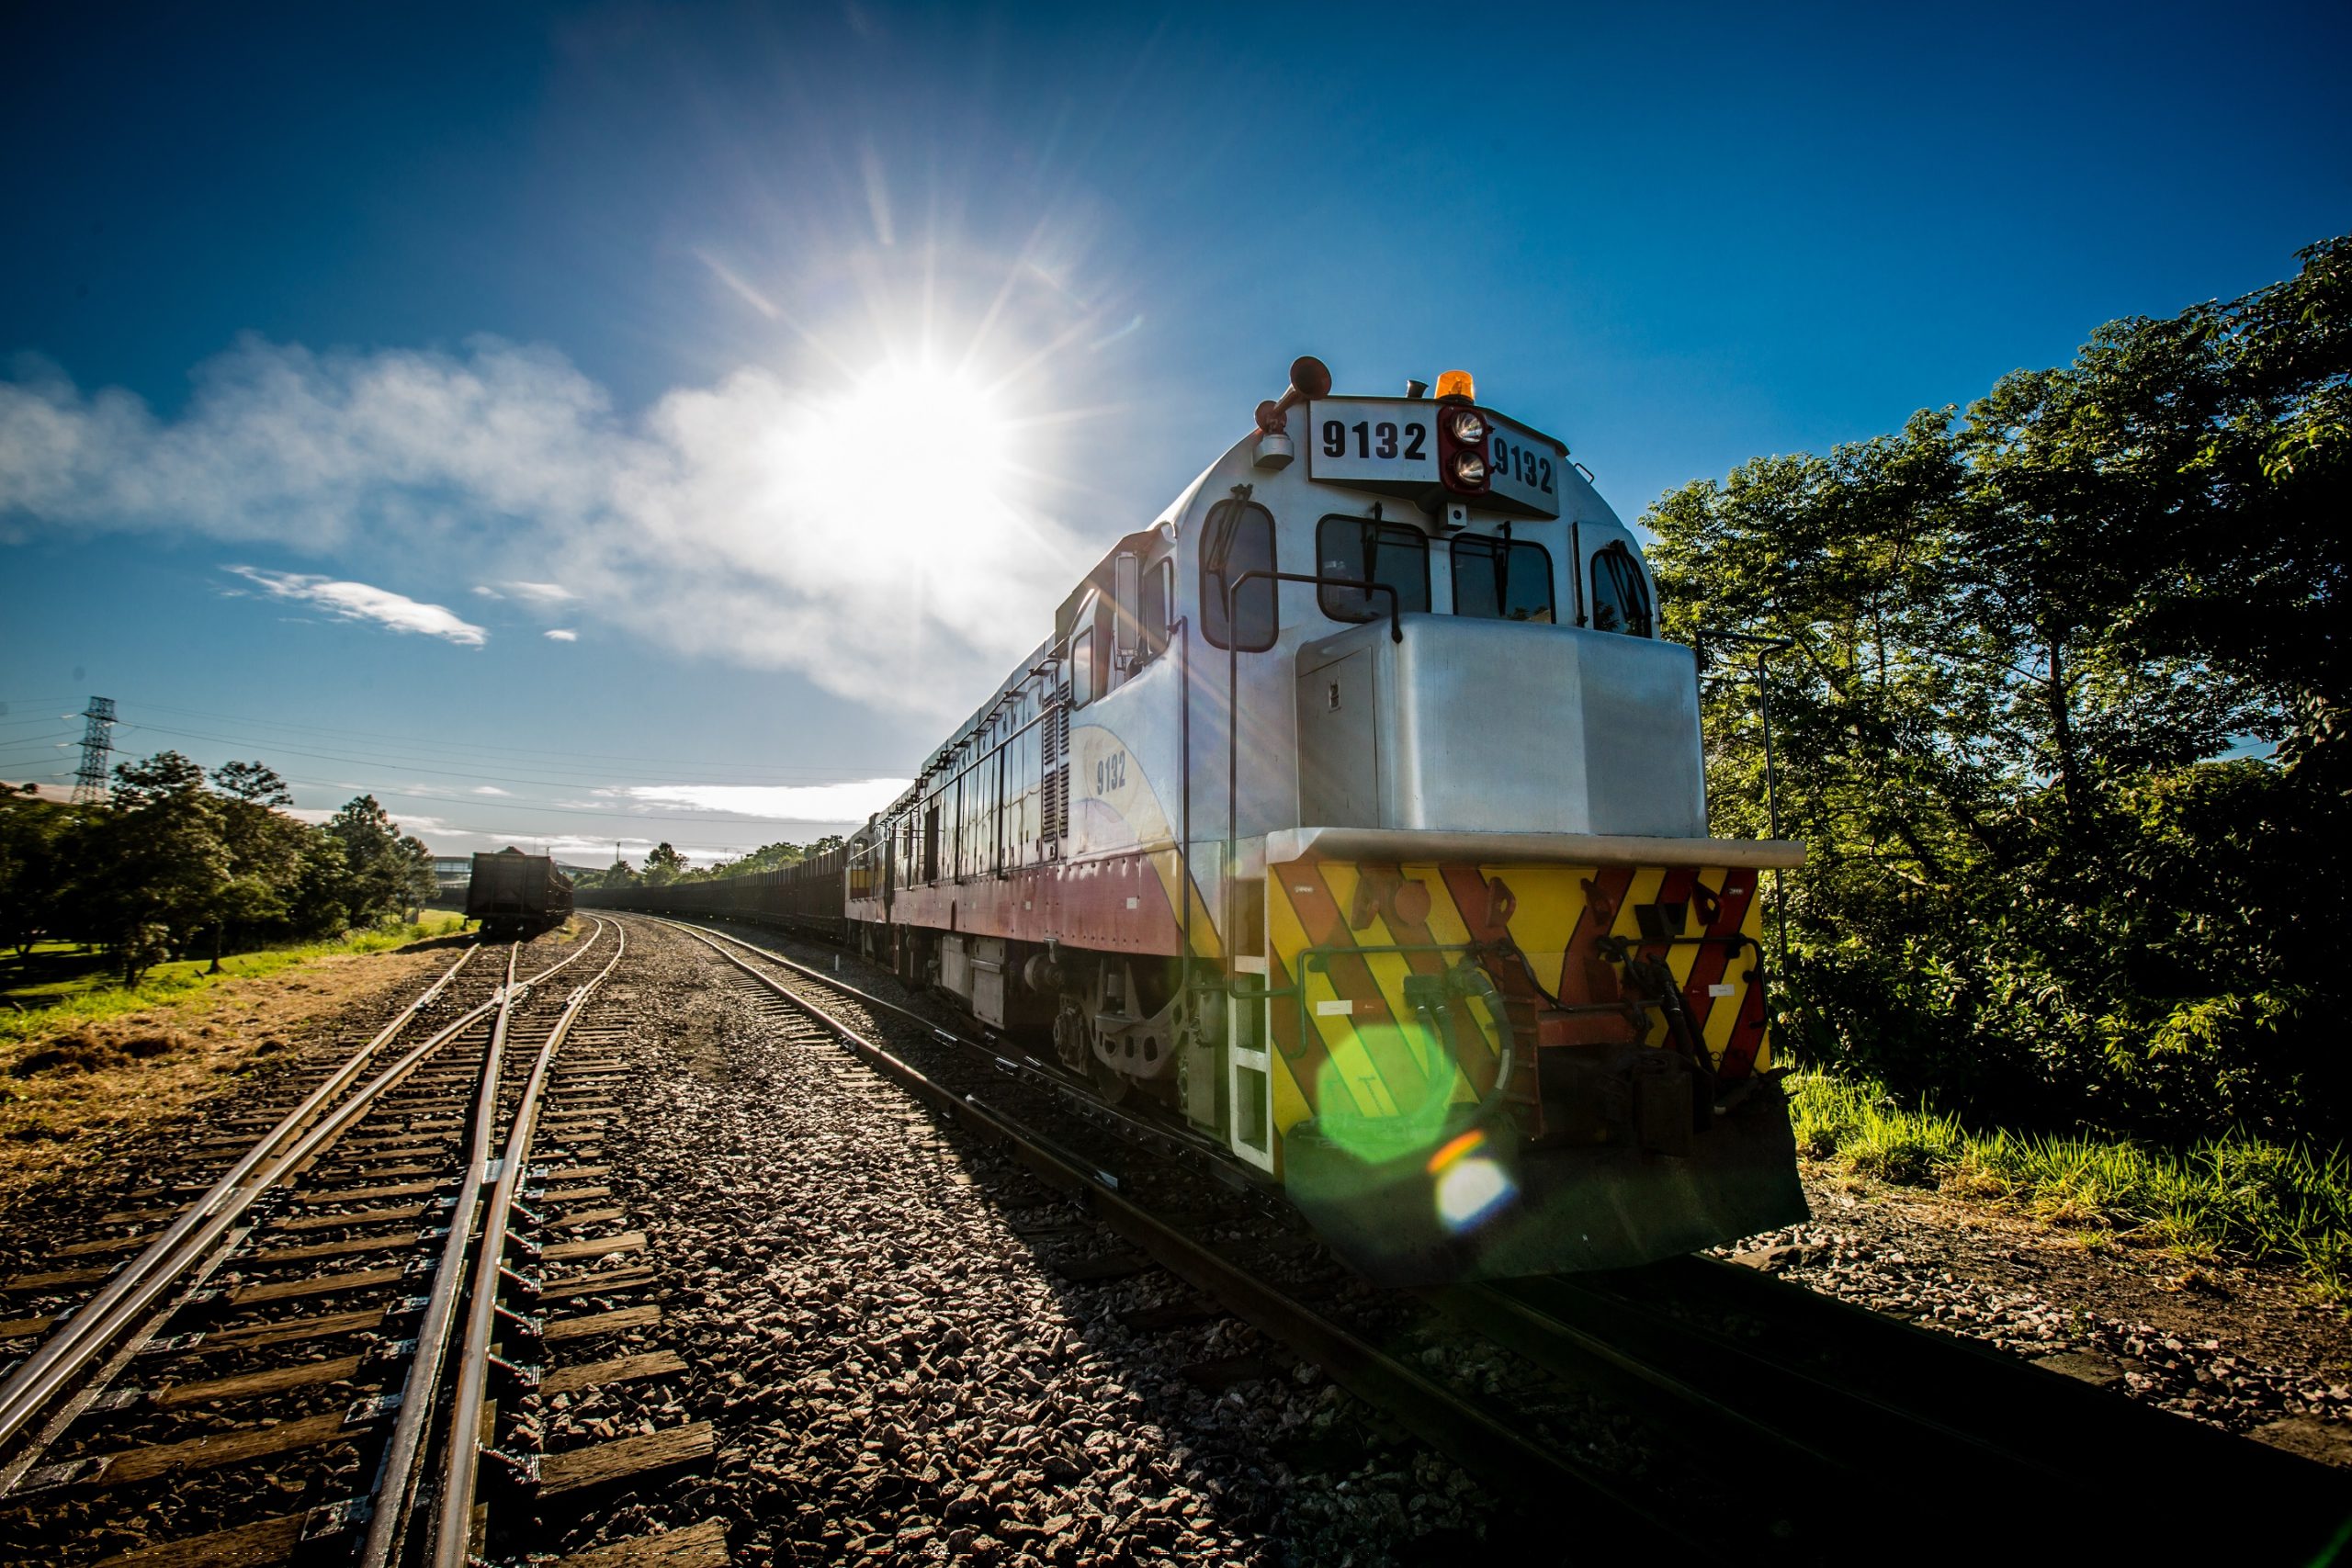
(330,1519)
(532,1327)
(373,1408)
(523,1375)
(520,1470)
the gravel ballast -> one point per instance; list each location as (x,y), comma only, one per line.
(877,1313)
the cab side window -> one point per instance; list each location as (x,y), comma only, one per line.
(1621,600)
(1394,554)
(1159,608)
(1081,667)
(1239,540)
(1087,657)
(1503,580)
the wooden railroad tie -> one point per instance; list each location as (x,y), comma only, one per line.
(287,1290)
(379,1243)
(594,1246)
(265,1540)
(370,1194)
(129,1467)
(51,1280)
(401,1214)
(576,1470)
(289,1331)
(696,1546)
(619,1368)
(561,1328)
(254,1385)
(595,1282)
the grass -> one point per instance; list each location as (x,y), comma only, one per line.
(94,996)
(2264,1202)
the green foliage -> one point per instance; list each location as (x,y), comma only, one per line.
(93,999)
(771,857)
(175,862)
(2253,1197)
(2027,650)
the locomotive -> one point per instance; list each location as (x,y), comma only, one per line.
(1353,816)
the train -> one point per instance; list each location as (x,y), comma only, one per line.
(514,895)
(1351,816)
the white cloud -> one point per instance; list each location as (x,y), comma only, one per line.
(769,523)
(560,633)
(360,601)
(491,789)
(783,802)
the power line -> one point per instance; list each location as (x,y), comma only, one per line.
(363,760)
(472,749)
(700,819)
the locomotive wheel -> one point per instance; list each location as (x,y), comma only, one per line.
(1073,1041)
(1110,1083)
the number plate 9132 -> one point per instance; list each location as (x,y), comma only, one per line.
(1392,446)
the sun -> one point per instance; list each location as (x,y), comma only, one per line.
(935,437)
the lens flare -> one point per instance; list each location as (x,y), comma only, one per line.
(1473,1191)
(1471,1188)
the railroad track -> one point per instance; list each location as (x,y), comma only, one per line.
(1775,1393)
(1485,1439)
(308,1359)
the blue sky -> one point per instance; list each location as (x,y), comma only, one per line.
(793,358)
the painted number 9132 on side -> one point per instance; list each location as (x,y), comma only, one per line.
(1384,439)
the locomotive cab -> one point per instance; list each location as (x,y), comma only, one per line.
(1496,1005)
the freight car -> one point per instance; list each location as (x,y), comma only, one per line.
(805,896)
(514,895)
(1352,813)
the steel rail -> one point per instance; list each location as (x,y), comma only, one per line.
(183,1248)
(1473,1437)
(1179,1144)
(95,1322)
(396,1471)
(1915,1411)
(462,1457)
(1925,1408)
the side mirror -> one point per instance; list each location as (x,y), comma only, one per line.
(1126,606)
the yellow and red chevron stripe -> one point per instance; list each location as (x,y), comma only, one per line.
(1342,938)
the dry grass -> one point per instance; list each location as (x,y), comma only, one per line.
(69,1096)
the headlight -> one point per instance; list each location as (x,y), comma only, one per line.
(1467,425)
(1469,469)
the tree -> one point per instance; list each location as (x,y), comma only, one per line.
(2022,644)
(252,781)
(375,869)
(33,868)
(422,883)
(664,866)
(154,866)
